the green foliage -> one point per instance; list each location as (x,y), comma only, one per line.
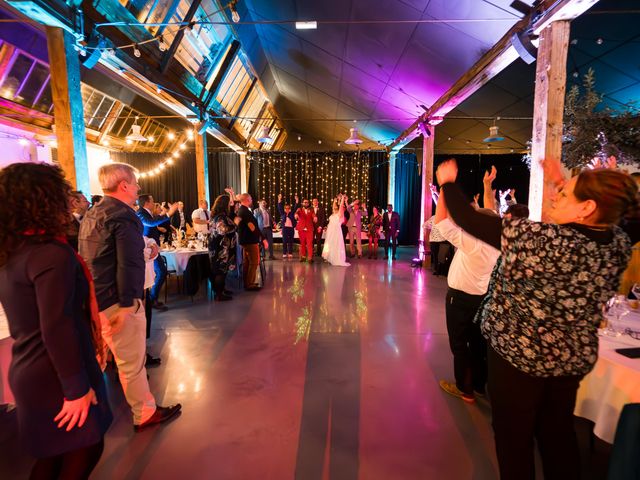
(590,133)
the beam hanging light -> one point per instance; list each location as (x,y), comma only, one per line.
(494,136)
(135,135)
(264,135)
(353,138)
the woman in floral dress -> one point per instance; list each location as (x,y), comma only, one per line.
(222,245)
(374,233)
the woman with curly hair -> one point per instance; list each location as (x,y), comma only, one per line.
(222,245)
(543,307)
(47,293)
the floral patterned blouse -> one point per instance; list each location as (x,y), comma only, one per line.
(546,296)
(222,244)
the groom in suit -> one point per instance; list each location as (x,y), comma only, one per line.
(318,212)
(391,228)
(306,224)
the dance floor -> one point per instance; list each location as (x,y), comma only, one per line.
(328,373)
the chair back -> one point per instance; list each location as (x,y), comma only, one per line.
(624,462)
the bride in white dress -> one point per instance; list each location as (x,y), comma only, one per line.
(333,251)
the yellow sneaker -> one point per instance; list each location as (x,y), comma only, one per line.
(451,389)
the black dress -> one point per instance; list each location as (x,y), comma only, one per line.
(43,290)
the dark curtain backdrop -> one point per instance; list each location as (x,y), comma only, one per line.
(379,180)
(512,173)
(318,174)
(177,182)
(224,171)
(408,197)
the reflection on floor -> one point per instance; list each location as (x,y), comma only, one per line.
(328,373)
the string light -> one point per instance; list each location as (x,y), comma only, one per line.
(136,51)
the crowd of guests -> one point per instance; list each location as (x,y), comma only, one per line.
(524,303)
(525,298)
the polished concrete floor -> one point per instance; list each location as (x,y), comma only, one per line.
(327,373)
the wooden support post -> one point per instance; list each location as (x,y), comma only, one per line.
(548,109)
(391,188)
(244,184)
(67,107)
(427,179)
(202,166)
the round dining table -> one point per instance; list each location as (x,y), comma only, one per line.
(178,259)
(613,382)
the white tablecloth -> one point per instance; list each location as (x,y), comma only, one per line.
(614,382)
(178,259)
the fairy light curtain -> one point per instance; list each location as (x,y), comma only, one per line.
(321,175)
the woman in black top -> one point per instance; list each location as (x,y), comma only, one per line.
(543,308)
(222,245)
(62,406)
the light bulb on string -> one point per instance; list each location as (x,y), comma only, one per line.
(161,45)
(136,51)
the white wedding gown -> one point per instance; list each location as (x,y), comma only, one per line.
(333,251)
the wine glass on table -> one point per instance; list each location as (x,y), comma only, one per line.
(614,310)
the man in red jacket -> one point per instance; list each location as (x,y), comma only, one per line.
(306,223)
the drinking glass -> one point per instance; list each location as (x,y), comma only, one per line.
(615,309)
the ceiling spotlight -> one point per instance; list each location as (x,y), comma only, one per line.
(319,142)
(299,138)
(171,135)
(136,51)
(193,104)
(599,41)
(135,135)
(264,135)
(306,25)
(353,138)
(339,144)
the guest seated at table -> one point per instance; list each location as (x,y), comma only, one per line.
(50,302)
(543,308)
(222,246)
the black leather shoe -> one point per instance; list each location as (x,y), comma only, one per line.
(228,292)
(151,362)
(161,415)
(160,306)
(223,298)
(253,288)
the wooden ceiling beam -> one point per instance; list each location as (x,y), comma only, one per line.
(499,57)
(168,55)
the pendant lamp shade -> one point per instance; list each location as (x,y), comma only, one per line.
(494,136)
(264,135)
(135,135)
(353,138)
